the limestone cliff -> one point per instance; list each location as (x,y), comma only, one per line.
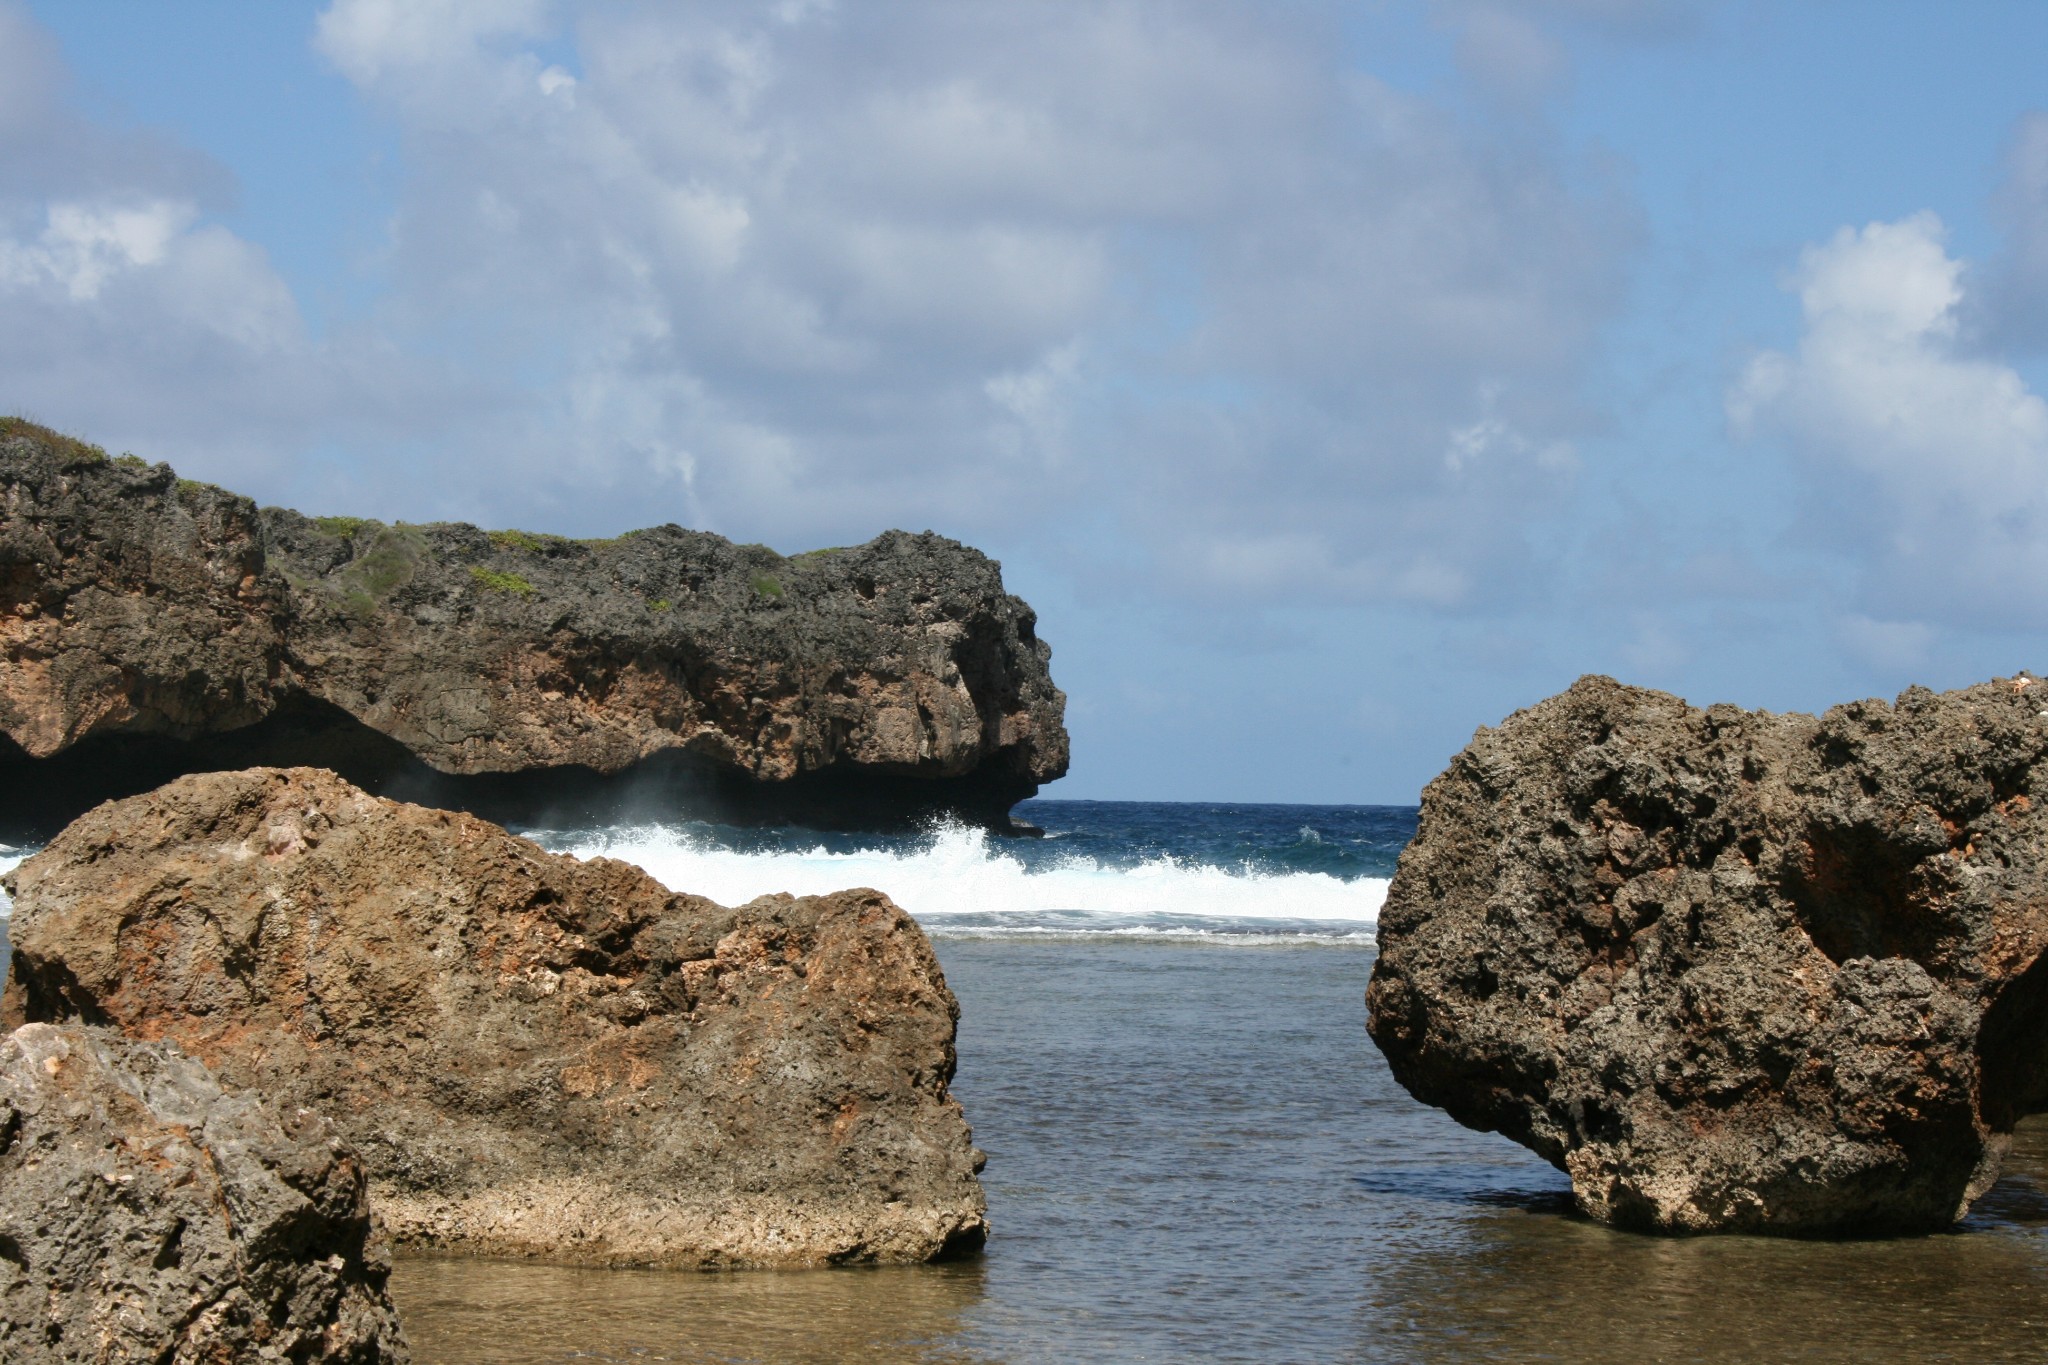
(151,625)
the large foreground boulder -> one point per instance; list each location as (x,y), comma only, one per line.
(150,625)
(148,1215)
(536,1056)
(1734,970)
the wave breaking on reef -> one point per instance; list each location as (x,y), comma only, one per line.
(1162,872)
(958,882)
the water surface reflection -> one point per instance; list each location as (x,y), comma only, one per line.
(1528,1284)
(481,1312)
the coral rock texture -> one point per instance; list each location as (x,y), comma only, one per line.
(535,1055)
(148,1215)
(871,684)
(1733,970)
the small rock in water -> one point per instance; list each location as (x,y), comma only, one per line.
(1734,971)
(148,1215)
(536,1056)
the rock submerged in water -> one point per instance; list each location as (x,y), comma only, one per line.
(536,1056)
(148,1215)
(1735,971)
(151,626)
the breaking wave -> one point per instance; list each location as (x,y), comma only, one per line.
(1240,875)
(958,882)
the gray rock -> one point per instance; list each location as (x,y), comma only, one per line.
(151,626)
(1733,970)
(148,1215)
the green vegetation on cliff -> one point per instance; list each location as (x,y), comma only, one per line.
(494,581)
(342,528)
(73,450)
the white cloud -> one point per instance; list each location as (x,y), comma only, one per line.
(372,39)
(83,244)
(1173,276)
(1930,462)
(891,264)
(137,319)
(2012,309)
(1508,51)
(1516,49)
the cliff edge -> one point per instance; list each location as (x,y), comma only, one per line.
(150,626)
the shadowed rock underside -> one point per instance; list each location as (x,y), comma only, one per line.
(536,1056)
(1733,970)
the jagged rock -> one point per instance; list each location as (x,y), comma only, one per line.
(151,626)
(535,1056)
(148,1215)
(1733,970)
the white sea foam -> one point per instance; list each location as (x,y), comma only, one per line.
(961,884)
(958,881)
(9,859)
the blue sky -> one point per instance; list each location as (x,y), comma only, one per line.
(1333,378)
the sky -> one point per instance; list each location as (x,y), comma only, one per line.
(1332,378)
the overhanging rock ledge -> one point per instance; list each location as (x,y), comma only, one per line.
(151,626)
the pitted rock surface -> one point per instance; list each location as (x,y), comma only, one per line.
(1733,970)
(535,1055)
(138,606)
(148,1215)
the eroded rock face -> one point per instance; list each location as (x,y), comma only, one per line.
(148,1215)
(875,683)
(535,1056)
(125,604)
(1733,970)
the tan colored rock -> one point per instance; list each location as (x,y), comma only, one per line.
(536,1056)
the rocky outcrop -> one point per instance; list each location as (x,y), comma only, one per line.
(535,1056)
(150,626)
(1733,970)
(148,1215)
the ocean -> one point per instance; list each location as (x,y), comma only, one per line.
(1196,1153)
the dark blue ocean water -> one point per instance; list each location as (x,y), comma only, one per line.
(1244,871)
(1346,842)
